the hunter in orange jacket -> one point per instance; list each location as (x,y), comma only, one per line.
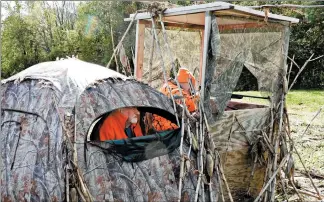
(160,123)
(120,123)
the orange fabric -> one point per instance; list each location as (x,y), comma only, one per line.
(160,123)
(113,128)
(184,75)
(189,100)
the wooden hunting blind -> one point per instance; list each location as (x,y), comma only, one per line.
(215,41)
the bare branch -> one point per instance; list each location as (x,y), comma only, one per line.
(306,170)
(291,64)
(272,177)
(318,112)
(300,71)
(317,58)
(293,61)
(121,40)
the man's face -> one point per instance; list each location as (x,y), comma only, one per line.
(132,114)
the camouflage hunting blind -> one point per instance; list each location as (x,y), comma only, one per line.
(51,113)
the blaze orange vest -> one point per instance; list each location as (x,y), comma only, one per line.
(189,100)
(113,128)
(159,123)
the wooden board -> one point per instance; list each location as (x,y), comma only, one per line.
(139,54)
(196,19)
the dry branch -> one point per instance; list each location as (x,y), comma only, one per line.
(200,158)
(301,68)
(122,39)
(181,156)
(220,184)
(317,113)
(306,170)
(276,147)
(319,176)
(151,60)
(296,190)
(308,193)
(113,45)
(290,67)
(272,177)
(164,70)
(165,38)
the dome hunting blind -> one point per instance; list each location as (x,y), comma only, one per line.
(52,111)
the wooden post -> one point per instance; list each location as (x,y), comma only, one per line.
(201,56)
(206,39)
(139,50)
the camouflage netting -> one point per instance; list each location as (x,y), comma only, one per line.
(258,49)
(185,47)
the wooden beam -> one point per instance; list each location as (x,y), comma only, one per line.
(201,55)
(216,6)
(170,26)
(190,27)
(204,64)
(196,19)
(186,10)
(139,48)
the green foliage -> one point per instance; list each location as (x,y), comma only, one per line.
(36,31)
(307,38)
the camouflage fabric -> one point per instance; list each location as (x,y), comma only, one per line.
(111,178)
(45,105)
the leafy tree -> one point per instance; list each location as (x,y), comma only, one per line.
(37,31)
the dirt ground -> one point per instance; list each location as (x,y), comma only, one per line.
(303,106)
(310,146)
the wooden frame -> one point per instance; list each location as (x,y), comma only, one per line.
(197,18)
(139,50)
(214,7)
(204,55)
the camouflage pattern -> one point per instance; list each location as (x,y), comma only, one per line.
(47,111)
(36,104)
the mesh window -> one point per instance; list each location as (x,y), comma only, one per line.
(185,46)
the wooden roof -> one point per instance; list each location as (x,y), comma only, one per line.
(196,14)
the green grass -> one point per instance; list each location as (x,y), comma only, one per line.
(308,100)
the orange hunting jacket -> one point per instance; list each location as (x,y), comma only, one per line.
(159,123)
(113,128)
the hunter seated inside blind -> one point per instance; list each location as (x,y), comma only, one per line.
(121,124)
(187,83)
